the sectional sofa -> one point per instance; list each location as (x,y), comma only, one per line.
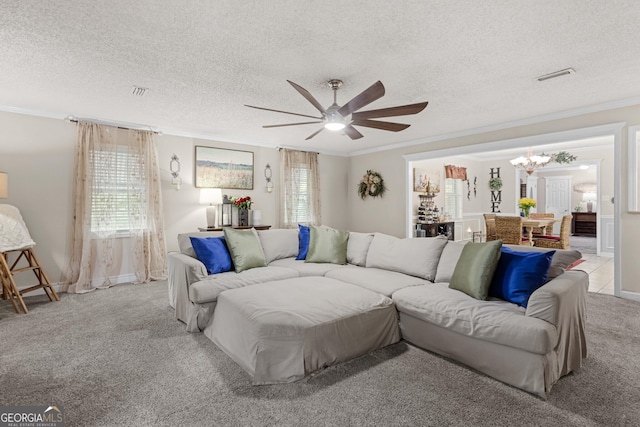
(289,317)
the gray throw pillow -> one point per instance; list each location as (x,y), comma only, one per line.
(244,247)
(327,245)
(475,268)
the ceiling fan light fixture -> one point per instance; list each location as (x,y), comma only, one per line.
(334,125)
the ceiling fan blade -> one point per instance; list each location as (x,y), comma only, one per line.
(394,127)
(351,132)
(280,111)
(308,96)
(290,124)
(402,110)
(314,134)
(366,97)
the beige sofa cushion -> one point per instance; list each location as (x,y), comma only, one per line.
(357,248)
(494,320)
(381,281)
(416,257)
(448,260)
(306,269)
(279,243)
(207,290)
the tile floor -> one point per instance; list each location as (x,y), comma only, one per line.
(600,271)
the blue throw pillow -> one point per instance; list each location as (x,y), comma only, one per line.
(304,237)
(213,253)
(519,274)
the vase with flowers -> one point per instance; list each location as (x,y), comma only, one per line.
(244,205)
(526,204)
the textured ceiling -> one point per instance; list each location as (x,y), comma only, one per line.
(474,61)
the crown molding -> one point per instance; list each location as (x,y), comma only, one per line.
(506,125)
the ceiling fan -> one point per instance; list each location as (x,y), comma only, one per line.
(345,117)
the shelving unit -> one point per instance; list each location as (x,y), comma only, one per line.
(583,224)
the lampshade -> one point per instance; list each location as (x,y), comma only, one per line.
(4,185)
(589,197)
(210,196)
(586,187)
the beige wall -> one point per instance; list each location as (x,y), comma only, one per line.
(391,212)
(38,154)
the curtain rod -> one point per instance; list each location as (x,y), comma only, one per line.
(119,125)
(284,147)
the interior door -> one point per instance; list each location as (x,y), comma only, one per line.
(558,197)
(532,191)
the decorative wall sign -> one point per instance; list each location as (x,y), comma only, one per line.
(496,195)
(222,168)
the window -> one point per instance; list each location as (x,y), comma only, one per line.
(118,198)
(453,195)
(301,196)
(300,201)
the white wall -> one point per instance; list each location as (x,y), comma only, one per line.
(38,153)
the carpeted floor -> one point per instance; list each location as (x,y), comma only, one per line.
(118,357)
(586,245)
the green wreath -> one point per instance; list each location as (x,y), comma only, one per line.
(372,185)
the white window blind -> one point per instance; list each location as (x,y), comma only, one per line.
(301,196)
(118,197)
(453,197)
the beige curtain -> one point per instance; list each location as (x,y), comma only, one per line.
(300,186)
(117,225)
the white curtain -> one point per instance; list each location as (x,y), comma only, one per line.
(300,186)
(117,224)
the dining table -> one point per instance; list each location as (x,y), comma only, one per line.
(530,223)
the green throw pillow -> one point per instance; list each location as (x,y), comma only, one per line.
(475,268)
(244,247)
(327,245)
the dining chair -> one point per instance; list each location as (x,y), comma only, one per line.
(509,230)
(556,242)
(537,231)
(490,226)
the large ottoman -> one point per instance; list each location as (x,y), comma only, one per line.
(283,330)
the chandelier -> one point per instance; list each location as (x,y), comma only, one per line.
(531,162)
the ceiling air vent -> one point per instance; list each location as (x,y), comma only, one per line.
(555,74)
(138,90)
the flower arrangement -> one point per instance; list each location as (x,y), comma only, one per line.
(242,202)
(371,184)
(526,204)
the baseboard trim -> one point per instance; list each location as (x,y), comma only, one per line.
(630,295)
(115,280)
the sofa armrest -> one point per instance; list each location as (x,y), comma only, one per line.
(563,303)
(183,271)
(565,291)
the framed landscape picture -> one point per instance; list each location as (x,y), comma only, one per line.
(222,168)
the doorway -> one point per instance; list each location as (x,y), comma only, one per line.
(558,198)
(548,141)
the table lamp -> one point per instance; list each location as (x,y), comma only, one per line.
(211,197)
(589,198)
